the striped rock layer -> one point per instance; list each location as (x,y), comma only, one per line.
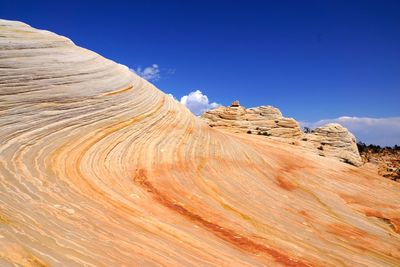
(261,120)
(100,168)
(334,140)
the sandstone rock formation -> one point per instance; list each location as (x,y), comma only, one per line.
(331,140)
(100,168)
(235,103)
(264,120)
(334,140)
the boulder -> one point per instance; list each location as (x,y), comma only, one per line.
(235,103)
(334,140)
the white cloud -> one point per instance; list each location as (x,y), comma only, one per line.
(197,103)
(379,131)
(151,73)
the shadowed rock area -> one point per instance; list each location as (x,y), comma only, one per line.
(100,168)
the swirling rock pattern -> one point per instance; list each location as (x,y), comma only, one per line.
(100,168)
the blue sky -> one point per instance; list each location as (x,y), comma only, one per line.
(315,60)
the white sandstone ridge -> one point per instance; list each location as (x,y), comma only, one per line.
(331,140)
(266,120)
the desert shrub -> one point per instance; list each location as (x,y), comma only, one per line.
(249,132)
(375,148)
(362,147)
(307,130)
(321,148)
(266,134)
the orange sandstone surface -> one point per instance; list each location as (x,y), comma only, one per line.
(100,168)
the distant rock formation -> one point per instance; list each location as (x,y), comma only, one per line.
(332,140)
(264,120)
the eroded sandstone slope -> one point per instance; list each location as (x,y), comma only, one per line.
(100,168)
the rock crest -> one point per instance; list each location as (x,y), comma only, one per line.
(264,120)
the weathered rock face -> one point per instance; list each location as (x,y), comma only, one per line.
(334,140)
(264,120)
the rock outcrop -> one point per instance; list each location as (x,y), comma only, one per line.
(332,140)
(264,120)
(100,168)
